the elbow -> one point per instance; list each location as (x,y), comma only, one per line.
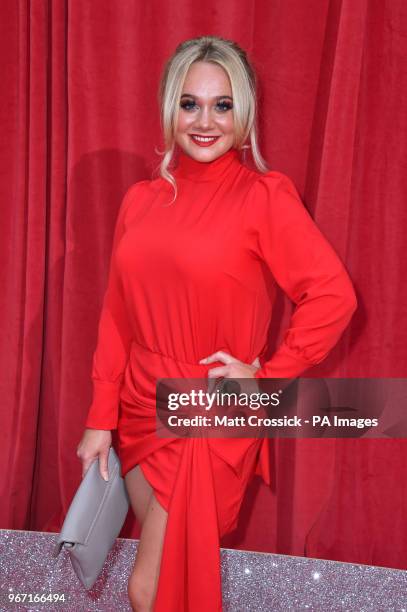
(349,302)
(354,303)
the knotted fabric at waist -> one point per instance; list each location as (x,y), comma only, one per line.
(146,365)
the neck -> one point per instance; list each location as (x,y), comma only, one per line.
(192,169)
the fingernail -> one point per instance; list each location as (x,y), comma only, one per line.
(203,360)
(105,476)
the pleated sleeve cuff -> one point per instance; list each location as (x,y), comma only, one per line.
(104,410)
(285,363)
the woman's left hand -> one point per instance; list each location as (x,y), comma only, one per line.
(233,368)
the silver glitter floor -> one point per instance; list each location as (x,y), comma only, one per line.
(251,581)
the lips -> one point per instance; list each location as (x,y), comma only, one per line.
(203,141)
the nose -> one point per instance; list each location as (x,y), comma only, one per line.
(204,119)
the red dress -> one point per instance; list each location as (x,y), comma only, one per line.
(188,279)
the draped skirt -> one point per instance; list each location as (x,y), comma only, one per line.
(200,482)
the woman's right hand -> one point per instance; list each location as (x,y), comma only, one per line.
(95,443)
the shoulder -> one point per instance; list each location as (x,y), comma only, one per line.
(272,192)
(135,190)
(133,195)
(272,182)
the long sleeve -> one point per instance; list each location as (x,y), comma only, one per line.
(114,339)
(303,263)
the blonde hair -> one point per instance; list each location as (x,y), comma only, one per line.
(233,60)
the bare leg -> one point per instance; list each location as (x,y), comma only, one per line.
(142,585)
(140,492)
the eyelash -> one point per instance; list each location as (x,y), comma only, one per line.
(186,105)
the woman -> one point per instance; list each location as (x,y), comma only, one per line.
(196,257)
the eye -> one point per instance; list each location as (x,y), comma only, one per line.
(187,104)
(224,105)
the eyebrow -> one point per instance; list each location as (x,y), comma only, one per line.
(187,95)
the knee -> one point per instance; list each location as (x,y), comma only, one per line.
(140,593)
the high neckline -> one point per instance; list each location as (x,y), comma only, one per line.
(191,169)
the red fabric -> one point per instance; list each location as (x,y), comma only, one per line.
(185,280)
(80,125)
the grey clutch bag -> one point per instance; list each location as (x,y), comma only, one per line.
(94,520)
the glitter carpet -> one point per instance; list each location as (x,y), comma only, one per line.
(251,581)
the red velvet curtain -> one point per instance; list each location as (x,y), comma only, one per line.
(79,124)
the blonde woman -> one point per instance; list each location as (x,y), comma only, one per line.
(197,255)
